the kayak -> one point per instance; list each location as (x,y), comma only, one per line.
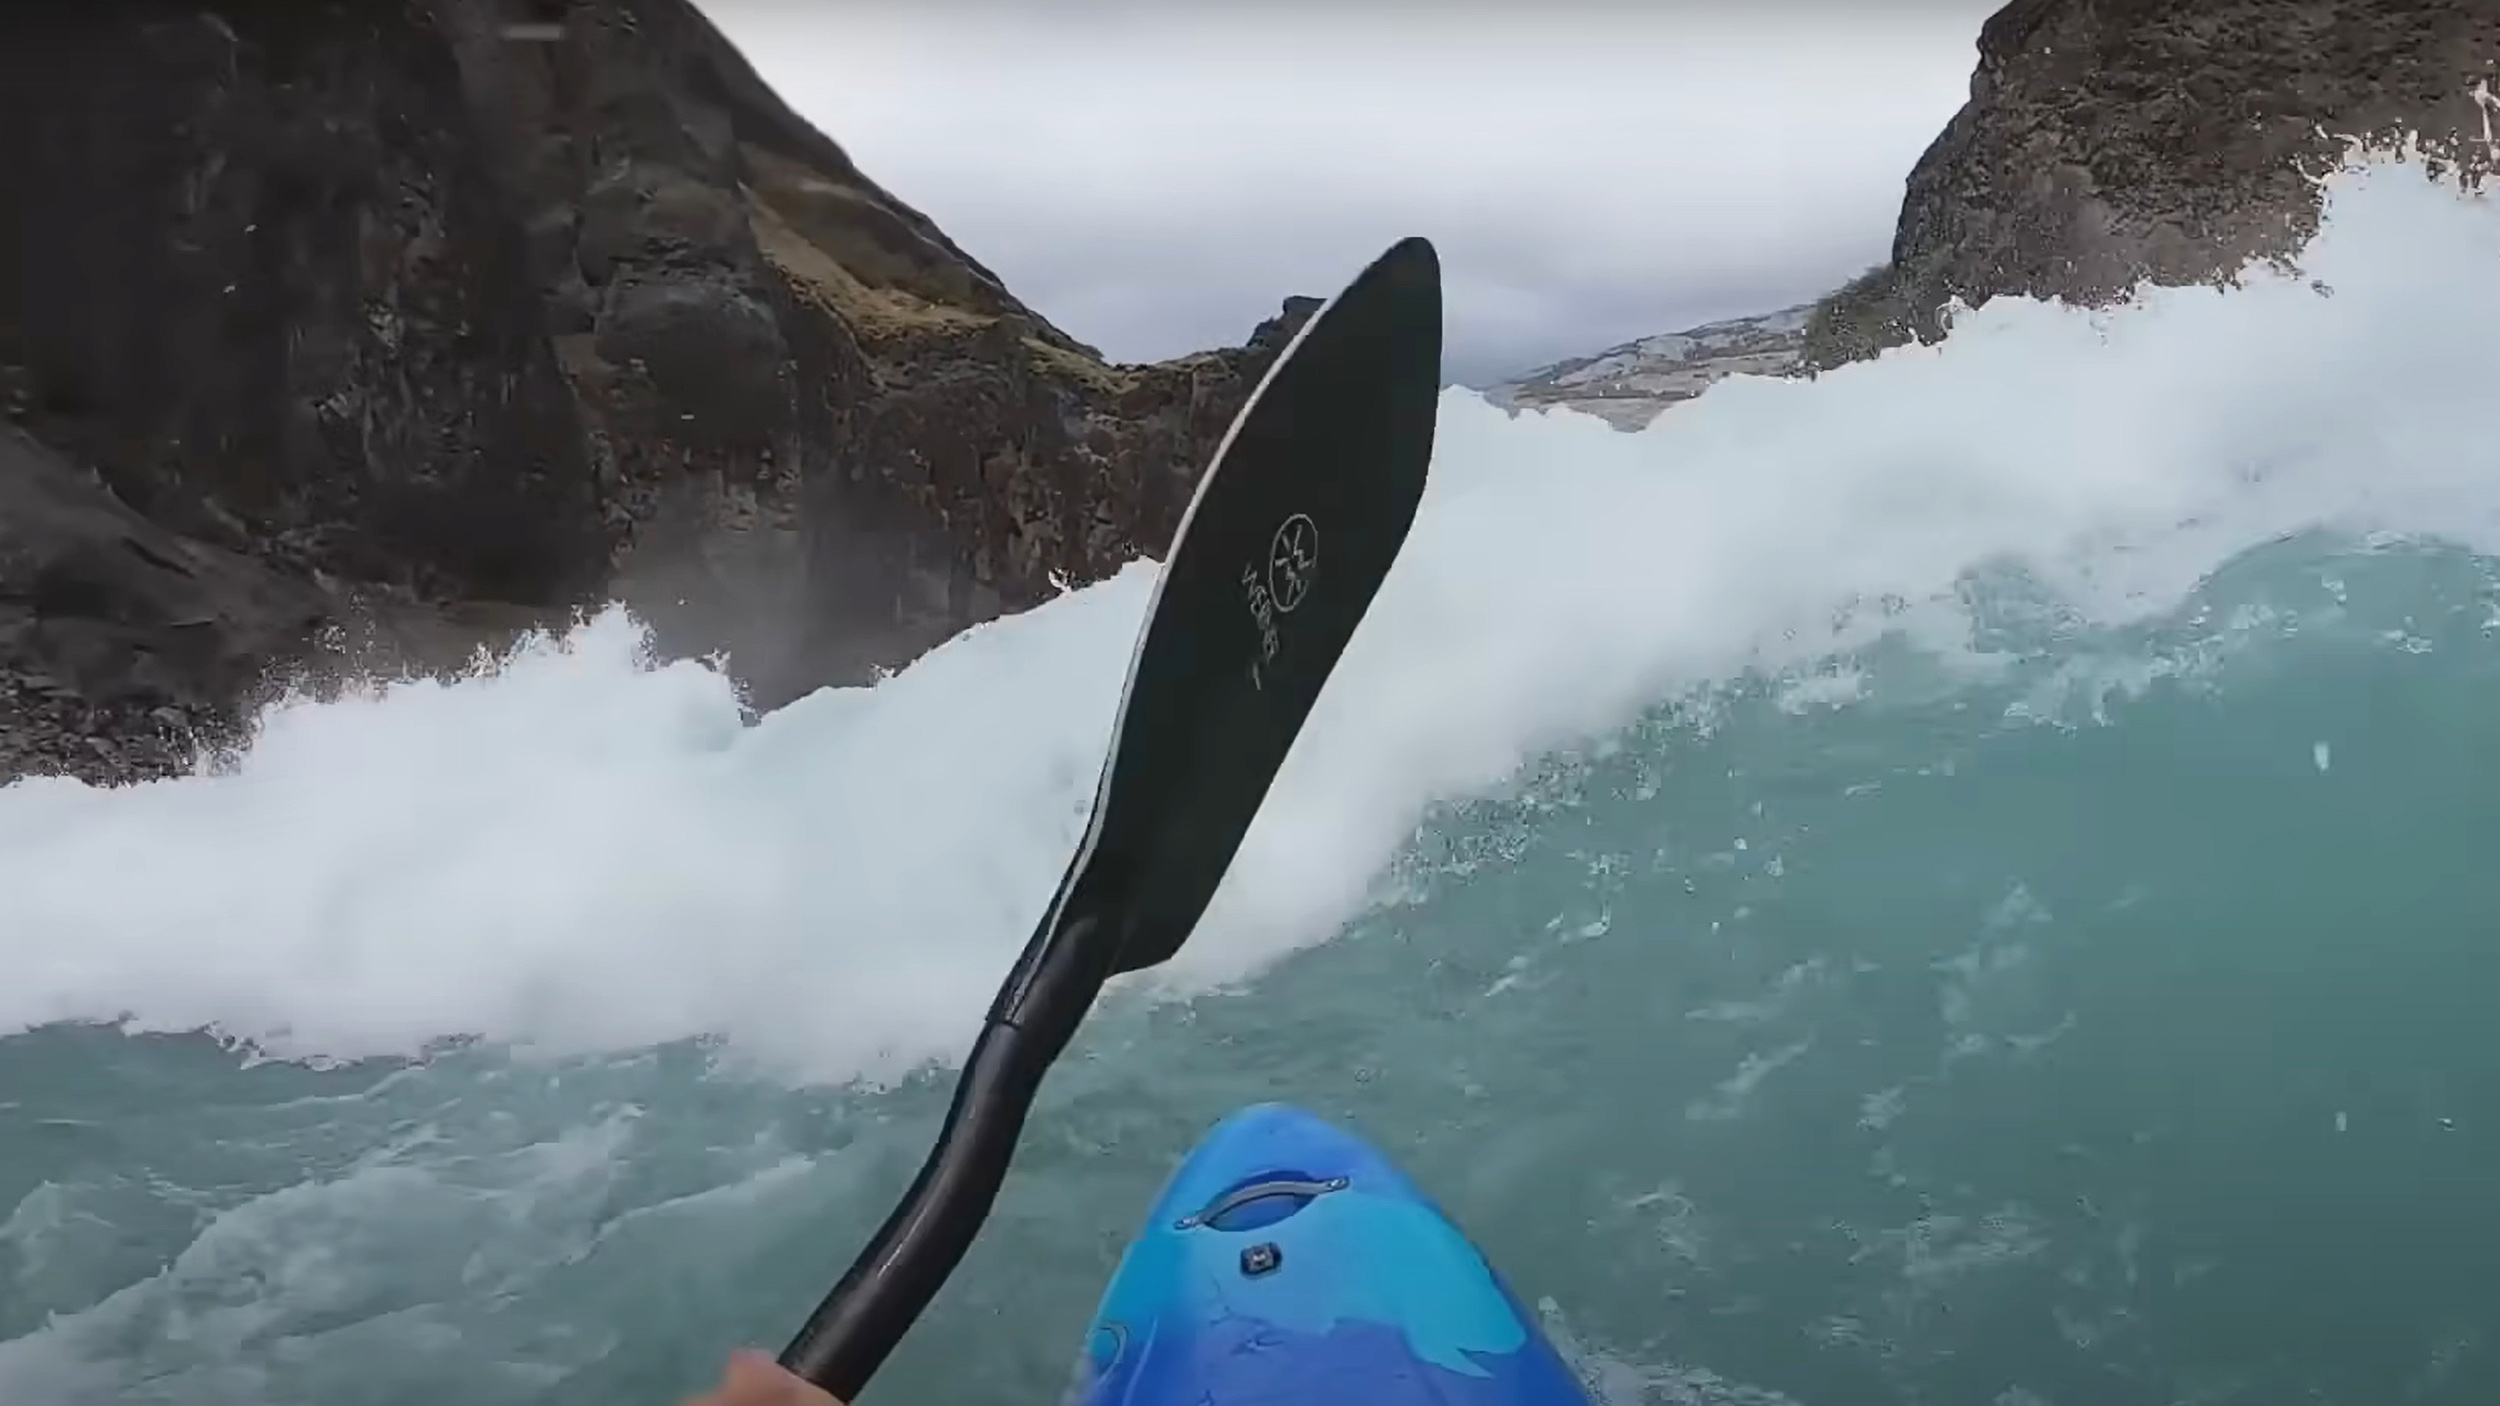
(1287,1261)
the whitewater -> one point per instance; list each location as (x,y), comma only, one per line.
(1956,881)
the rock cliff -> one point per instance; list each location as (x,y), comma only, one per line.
(428,319)
(2110,141)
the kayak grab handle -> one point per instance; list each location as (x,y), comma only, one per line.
(1301,1189)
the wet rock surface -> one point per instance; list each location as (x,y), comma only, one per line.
(2107,142)
(429,321)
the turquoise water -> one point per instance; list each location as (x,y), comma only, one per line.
(1951,884)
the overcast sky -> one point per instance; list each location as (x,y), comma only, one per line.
(1155,176)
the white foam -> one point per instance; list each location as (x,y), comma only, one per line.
(585,852)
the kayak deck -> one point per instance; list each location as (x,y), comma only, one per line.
(1289,1262)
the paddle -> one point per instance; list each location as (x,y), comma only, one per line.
(1300,514)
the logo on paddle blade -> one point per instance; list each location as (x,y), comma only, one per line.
(1291,559)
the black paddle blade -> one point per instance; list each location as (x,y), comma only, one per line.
(1293,529)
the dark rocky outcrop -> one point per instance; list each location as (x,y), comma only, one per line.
(121,640)
(2111,141)
(432,318)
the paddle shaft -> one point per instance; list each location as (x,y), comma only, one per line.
(851,1332)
